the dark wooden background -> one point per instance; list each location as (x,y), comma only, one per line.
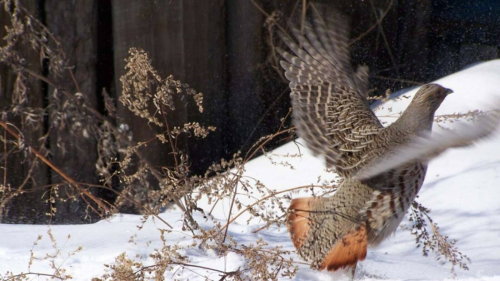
(220,48)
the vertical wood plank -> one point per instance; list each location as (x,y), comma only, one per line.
(74,24)
(185,39)
(205,71)
(245,53)
(27,207)
(156,27)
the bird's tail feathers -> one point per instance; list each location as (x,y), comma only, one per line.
(298,220)
(347,251)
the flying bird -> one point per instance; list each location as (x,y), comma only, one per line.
(382,168)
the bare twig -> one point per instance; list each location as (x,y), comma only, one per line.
(57,170)
(378,22)
(388,47)
(261,200)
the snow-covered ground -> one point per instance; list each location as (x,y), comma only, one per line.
(462,188)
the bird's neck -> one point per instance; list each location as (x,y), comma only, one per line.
(415,120)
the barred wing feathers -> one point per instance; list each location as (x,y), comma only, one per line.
(331,112)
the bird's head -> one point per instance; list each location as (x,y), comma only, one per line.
(430,96)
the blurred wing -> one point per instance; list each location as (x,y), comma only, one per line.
(429,146)
(331,112)
(362,74)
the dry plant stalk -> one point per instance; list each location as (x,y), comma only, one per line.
(58,271)
(441,245)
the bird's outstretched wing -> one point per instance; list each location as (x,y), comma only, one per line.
(424,148)
(331,111)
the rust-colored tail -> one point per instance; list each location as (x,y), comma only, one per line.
(298,219)
(347,251)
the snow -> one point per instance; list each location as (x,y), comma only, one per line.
(462,188)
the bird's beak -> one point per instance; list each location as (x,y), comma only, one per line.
(449,91)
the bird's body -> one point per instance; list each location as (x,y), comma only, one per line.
(333,116)
(334,232)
